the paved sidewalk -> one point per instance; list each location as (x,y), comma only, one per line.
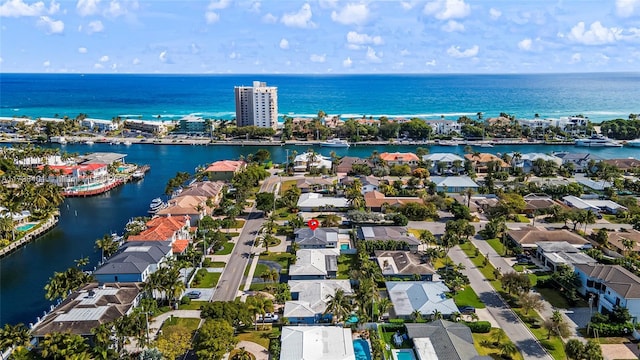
(503,315)
(252,270)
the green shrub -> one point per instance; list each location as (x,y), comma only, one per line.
(610,330)
(397,321)
(206,262)
(185,300)
(480,327)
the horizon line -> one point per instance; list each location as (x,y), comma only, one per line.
(316,74)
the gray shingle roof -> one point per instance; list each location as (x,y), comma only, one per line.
(451,341)
(135,257)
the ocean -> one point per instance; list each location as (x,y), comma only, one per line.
(600,96)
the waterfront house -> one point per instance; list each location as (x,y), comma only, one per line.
(213,190)
(611,285)
(616,239)
(527,161)
(595,205)
(101,158)
(481,161)
(346,164)
(320,238)
(86,309)
(443,339)
(530,237)
(314,264)
(454,184)
(99,125)
(445,127)
(157,128)
(404,265)
(316,343)
(309,300)
(553,254)
(444,163)
(398,234)
(225,169)
(318,202)
(627,166)
(311,161)
(134,262)
(195,207)
(580,161)
(67,176)
(424,296)
(377,201)
(164,229)
(398,158)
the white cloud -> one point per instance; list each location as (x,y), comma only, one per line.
(328,4)
(525,44)
(116,9)
(356,14)
(318,58)
(269,18)
(114,66)
(405,52)
(372,56)
(211,17)
(82,50)
(347,62)
(495,14)
(104,58)
(626,8)
(195,49)
(452,26)
(163,57)
(54,7)
(596,35)
(98,66)
(51,26)
(454,51)
(356,39)
(135,61)
(87,7)
(47,63)
(431,62)
(284,44)
(1,60)
(447,9)
(95,27)
(406,5)
(576,58)
(218,5)
(233,55)
(17,8)
(300,19)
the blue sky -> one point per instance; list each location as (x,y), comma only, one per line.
(323,37)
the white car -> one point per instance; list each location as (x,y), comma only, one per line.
(268,318)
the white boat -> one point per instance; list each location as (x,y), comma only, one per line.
(448,143)
(127,143)
(137,175)
(89,142)
(156,205)
(634,143)
(486,145)
(597,141)
(58,140)
(335,143)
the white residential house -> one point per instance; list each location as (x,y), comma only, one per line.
(595,205)
(611,285)
(309,300)
(99,125)
(425,296)
(317,161)
(319,202)
(445,127)
(449,161)
(454,184)
(526,161)
(314,264)
(316,343)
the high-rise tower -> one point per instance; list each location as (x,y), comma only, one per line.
(257,105)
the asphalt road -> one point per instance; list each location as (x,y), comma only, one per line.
(233,273)
(508,321)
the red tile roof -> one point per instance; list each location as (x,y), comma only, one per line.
(160,229)
(69,169)
(226,166)
(398,156)
(179,246)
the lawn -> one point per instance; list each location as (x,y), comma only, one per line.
(554,344)
(191,306)
(260,269)
(470,250)
(286,185)
(227,248)
(468,297)
(217,264)
(497,245)
(280,258)
(258,337)
(237,224)
(484,344)
(210,279)
(189,323)
(522,218)
(614,219)
(346,263)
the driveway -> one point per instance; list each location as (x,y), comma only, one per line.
(503,315)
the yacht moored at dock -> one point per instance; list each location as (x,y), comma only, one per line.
(597,141)
(337,143)
(156,205)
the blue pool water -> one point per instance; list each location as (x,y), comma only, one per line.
(403,355)
(344,247)
(352,320)
(25,227)
(361,349)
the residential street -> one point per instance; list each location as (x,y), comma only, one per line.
(508,321)
(234,271)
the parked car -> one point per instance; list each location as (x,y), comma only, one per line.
(268,318)
(466,310)
(194,294)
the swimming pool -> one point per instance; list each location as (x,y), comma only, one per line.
(25,227)
(352,320)
(404,354)
(344,247)
(361,349)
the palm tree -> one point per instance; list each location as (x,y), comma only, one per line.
(416,315)
(383,306)
(242,354)
(628,245)
(436,315)
(339,305)
(14,336)
(507,349)
(107,245)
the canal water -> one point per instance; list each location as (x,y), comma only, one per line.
(24,273)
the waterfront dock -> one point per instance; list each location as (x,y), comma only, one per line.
(94,191)
(37,232)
